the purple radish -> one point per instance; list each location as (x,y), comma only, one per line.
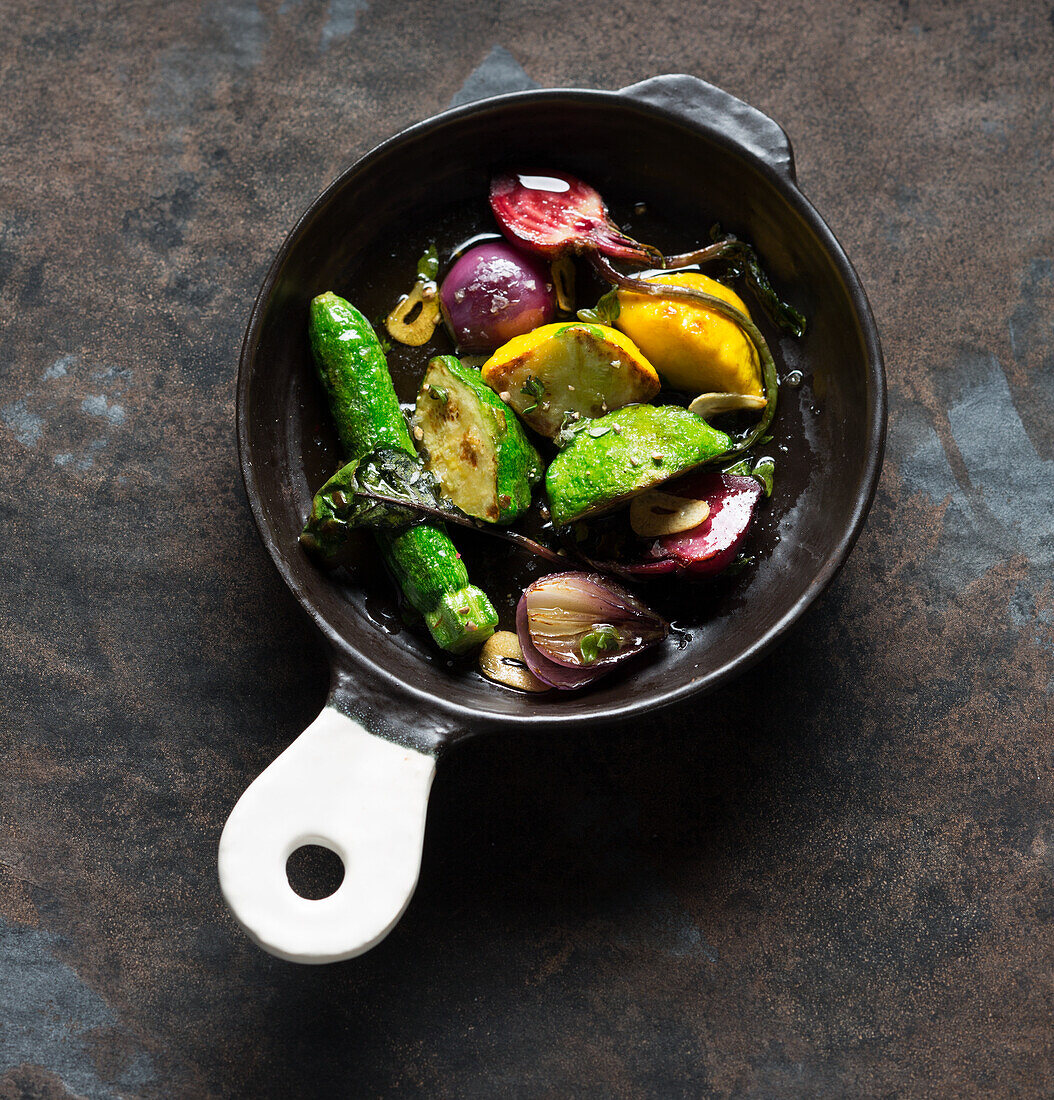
(710,547)
(495,292)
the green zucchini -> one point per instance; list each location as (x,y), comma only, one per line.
(473,443)
(434,579)
(612,458)
(356,379)
(366,410)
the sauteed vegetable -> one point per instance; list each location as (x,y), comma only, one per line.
(420,556)
(636,484)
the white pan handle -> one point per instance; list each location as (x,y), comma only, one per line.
(345,789)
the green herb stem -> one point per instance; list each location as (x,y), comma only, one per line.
(744,262)
(428,265)
(462,520)
(531,546)
(656,289)
(603,638)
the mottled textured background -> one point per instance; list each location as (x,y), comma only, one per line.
(832,878)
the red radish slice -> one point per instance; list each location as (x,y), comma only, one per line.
(711,546)
(557,214)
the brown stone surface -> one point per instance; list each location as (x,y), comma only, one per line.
(832,878)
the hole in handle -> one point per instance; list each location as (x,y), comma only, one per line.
(314,871)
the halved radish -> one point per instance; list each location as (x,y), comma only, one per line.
(558,215)
(710,547)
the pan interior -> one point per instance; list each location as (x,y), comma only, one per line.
(362,239)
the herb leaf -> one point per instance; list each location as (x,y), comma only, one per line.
(532,388)
(389,490)
(572,424)
(395,474)
(741,563)
(739,469)
(603,638)
(743,263)
(765,471)
(428,265)
(340,505)
(605,312)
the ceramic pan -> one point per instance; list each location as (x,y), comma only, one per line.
(357,780)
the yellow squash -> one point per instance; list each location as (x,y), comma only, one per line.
(692,347)
(569,367)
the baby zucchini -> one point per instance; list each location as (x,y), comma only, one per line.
(473,443)
(354,374)
(566,368)
(362,399)
(619,455)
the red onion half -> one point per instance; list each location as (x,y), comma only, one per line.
(574,627)
(549,672)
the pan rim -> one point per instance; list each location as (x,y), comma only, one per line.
(349,657)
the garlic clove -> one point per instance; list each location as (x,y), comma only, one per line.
(654,514)
(409,324)
(501,660)
(711,404)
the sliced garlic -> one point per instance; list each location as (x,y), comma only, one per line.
(710,404)
(419,330)
(655,513)
(501,660)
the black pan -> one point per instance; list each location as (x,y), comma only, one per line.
(693,155)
